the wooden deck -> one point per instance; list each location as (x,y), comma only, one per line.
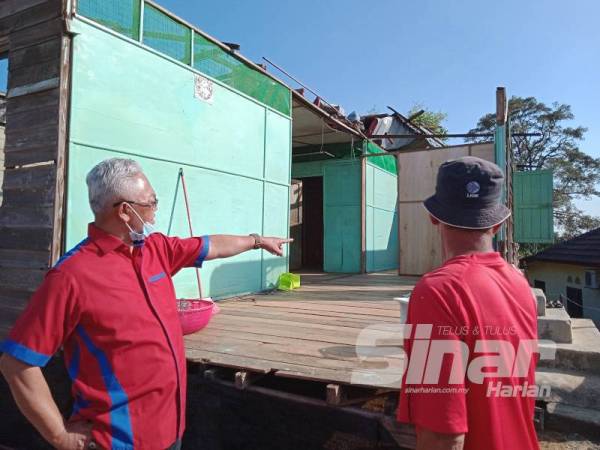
(312,332)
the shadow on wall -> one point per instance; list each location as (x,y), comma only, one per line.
(387,258)
(223,278)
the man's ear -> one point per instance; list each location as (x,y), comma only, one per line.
(496,228)
(122,213)
(434,220)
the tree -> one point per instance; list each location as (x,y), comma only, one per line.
(428,119)
(576,174)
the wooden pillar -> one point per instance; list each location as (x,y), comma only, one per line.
(501,157)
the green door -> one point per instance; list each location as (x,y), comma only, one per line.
(532,199)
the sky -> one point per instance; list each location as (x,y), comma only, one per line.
(445,55)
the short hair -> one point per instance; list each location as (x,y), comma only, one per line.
(110,181)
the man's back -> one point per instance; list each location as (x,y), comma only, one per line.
(479,300)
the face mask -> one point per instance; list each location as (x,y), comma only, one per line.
(147,229)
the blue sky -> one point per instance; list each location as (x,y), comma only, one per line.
(446,55)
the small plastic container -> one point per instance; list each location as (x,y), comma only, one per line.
(288,281)
(195,313)
(403,307)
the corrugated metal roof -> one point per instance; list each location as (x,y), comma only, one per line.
(583,250)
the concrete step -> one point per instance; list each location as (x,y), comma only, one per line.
(582,354)
(573,388)
(540,299)
(555,325)
(572,419)
(573,401)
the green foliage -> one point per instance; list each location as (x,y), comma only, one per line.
(576,174)
(431,120)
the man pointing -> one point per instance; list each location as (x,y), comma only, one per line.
(110,303)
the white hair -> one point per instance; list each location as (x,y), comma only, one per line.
(110,181)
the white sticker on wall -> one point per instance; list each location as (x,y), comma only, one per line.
(203,88)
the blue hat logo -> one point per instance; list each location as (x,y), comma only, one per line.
(473,189)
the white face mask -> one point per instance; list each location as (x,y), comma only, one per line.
(147,229)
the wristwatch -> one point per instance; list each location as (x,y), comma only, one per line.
(257,241)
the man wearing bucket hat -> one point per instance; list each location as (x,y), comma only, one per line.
(110,303)
(473,306)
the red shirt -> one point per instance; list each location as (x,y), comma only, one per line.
(114,312)
(471,298)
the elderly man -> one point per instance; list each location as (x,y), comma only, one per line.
(110,303)
(478,308)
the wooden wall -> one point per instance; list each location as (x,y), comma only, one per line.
(420,245)
(32,31)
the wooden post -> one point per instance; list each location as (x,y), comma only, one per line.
(501,106)
(60,189)
(501,157)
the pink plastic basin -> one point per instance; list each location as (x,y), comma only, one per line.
(194,313)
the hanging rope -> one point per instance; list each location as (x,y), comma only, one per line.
(173,205)
(181,178)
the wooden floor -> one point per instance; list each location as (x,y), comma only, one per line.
(313,332)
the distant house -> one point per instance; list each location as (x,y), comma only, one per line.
(571,271)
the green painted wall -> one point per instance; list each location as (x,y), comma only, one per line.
(129,101)
(381,218)
(341,211)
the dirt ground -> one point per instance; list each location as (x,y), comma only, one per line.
(550,440)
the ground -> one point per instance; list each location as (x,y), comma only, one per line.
(551,440)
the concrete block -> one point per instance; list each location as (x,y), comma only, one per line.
(582,355)
(555,325)
(540,298)
(576,388)
(573,419)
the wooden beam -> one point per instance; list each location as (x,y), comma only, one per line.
(11,7)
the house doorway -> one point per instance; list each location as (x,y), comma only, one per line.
(574,302)
(306,224)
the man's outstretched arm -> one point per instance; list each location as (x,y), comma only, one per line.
(224,246)
(32,395)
